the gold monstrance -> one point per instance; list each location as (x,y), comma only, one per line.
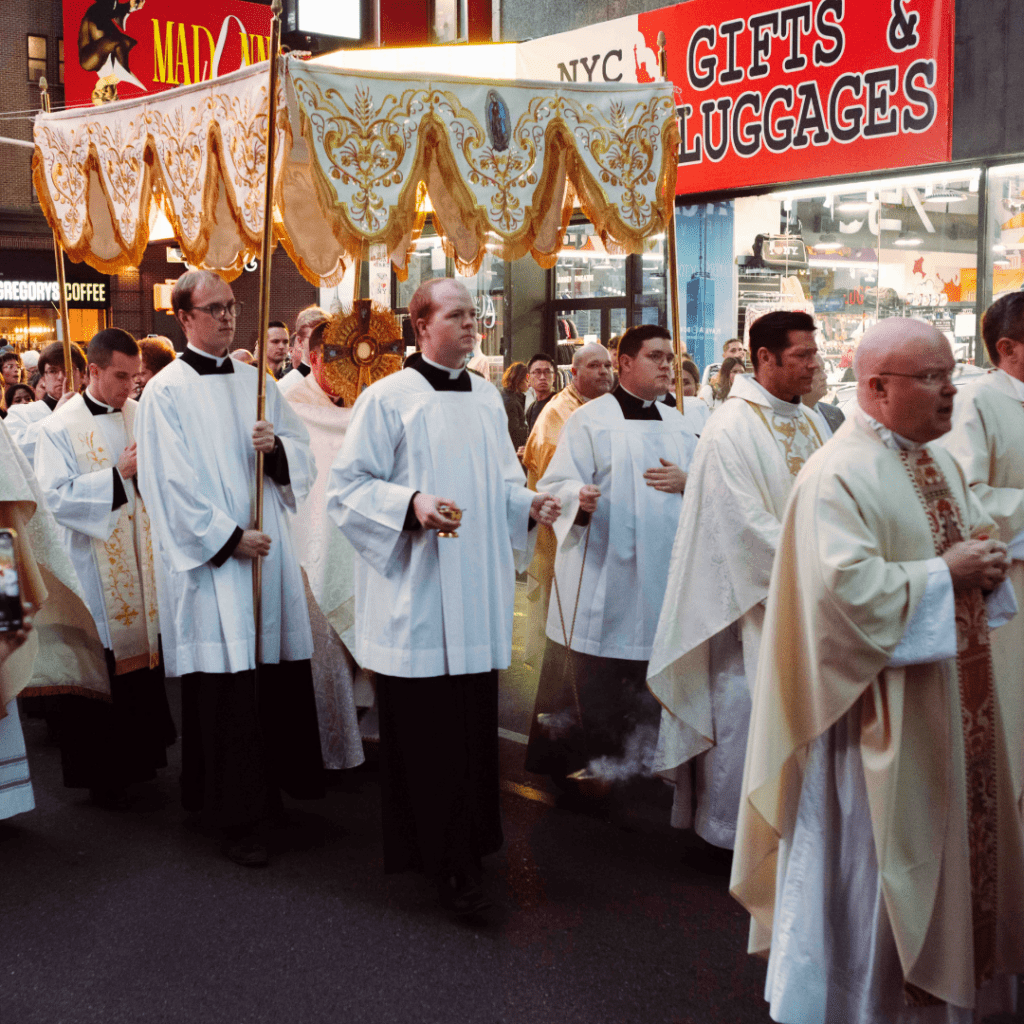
(360,348)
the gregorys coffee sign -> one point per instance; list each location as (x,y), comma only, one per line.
(770,93)
(81,294)
(30,279)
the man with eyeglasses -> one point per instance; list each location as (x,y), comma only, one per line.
(542,375)
(197,442)
(23,421)
(620,470)
(304,324)
(879,848)
(709,633)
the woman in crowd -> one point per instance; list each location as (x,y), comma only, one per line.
(717,390)
(513,392)
(18,394)
(695,410)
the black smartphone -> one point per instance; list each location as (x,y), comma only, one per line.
(10,585)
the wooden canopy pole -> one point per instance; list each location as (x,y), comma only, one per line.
(672,280)
(58,254)
(264,310)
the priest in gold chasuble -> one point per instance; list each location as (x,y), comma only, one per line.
(705,650)
(879,847)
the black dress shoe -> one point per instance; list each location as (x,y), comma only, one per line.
(249,851)
(461,896)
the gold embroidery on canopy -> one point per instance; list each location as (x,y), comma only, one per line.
(503,175)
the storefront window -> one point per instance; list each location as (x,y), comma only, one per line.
(487,287)
(857,253)
(587,267)
(1005,234)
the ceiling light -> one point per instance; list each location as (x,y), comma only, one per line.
(905,239)
(854,206)
(944,194)
(828,243)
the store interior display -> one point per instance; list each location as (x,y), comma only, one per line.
(863,251)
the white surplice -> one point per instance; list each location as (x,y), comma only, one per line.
(197,469)
(696,413)
(429,605)
(329,564)
(323,551)
(709,632)
(833,951)
(987,440)
(631,531)
(81,502)
(23,422)
(293,377)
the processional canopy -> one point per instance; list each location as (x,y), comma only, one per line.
(360,159)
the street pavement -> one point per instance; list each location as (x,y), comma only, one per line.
(135,917)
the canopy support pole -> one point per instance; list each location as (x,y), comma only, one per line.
(672,279)
(58,255)
(264,311)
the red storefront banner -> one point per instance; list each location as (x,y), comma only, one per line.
(770,93)
(115,50)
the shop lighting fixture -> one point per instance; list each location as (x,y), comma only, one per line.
(944,194)
(905,239)
(854,206)
(999,247)
(828,243)
(1001,262)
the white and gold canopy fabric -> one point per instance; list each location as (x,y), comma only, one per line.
(359,158)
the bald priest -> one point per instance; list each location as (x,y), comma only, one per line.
(879,846)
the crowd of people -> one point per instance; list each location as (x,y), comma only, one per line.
(806,625)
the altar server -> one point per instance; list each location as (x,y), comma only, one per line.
(304,324)
(619,470)
(434,611)
(329,563)
(705,651)
(591,378)
(23,421)
(86,465)
(880,848)
(987,440)
(198,436)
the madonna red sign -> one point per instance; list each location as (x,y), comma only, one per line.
(770,93)
(120,50)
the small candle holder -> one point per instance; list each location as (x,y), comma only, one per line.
(453,513)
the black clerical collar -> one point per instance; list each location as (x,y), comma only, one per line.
(633,408)
(97,408)
(51,402)
(439,379)
(204,364)
(305,369)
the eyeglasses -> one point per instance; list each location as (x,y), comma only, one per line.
(542,373)
(937,378)
(218,310)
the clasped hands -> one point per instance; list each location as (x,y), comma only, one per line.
(981,563)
